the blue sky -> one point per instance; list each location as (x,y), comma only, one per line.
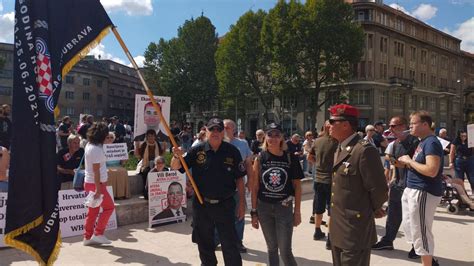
(143,21)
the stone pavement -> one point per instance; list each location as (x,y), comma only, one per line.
(171,245)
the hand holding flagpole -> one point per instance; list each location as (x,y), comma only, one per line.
(155,105)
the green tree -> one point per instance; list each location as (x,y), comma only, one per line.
(311,44)
(242,66)
(184,67)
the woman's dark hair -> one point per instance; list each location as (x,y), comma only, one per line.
(97,133)
(458,135)
(150,132)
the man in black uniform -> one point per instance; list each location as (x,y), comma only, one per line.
(218,170)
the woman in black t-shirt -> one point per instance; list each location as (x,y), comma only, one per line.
(275,184)
(462,159)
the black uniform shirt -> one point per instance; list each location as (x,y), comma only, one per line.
(215,172)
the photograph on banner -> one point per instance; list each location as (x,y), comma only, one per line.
(116,151)
(470,136)
(72,212)
(3,211)
(147,118)
(166,197)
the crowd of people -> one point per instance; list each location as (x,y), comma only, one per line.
(355,173)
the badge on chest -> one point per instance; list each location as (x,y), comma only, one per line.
(201,157)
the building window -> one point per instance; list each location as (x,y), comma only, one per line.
(413,53)
(433,81)
(129,95)
(383,98)
(69,111)
(360,97)
(422,103)
(432,105)
(423,79)
(99,83)
(86,96)
(70,95)
(362,69)
(86,82)
(99,98)
(370,41)
(4,90)
(433,59)
(412,102)
(397,100)
(399,49)
(120,93)
(383,44)
(69,79)
(111,92)
(423,57)
(412,74)
(413,30)
(100,112)
(443,106)
(369,69)
(86,110)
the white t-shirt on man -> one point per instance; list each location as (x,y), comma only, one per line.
(95,154)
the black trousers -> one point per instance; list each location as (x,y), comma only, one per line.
(348,257)
(394,213)
(221,216)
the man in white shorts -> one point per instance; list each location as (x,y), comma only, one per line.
(424,187)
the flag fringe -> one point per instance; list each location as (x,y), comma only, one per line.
(11,241)
(68,66)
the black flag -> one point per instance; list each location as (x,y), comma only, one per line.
(50,37)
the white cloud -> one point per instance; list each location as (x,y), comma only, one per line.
(6,27)
(99,50)
(425,11)
(465,32)
(140,60)
(131,7)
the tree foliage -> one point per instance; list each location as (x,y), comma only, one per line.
(311,44)
(243,68)
(184,67)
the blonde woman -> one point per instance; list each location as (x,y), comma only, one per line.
(275,185)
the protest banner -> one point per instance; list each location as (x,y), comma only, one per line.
(166,197)
(470,136)
(116,151)
(3,211)
(72,212)
(147,118)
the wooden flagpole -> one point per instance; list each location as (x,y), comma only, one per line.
(155,105)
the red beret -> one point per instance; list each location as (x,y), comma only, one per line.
(343,111)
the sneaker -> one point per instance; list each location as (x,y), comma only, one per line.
(383,245)
(101,240)
(311,219)
(434,262)
(87,242)
(412,254)
(318,234)
(242,248)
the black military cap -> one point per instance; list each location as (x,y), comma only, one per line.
(273,126)
(215,122)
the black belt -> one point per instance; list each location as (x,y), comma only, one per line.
(217,201)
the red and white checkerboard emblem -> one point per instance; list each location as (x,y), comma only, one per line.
(275,179)
(44,77)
